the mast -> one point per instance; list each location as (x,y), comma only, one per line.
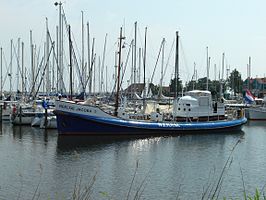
(82,51)
(135,58)
(118,71)
(207,84)
(32,62)
(221,80)
(18,63)
(104,50)
(70,61)
(177,66)
(89,62)
(99,73)
(94,74)
(249,72)
(194,77)
(161,81)
(22,68)
(10,73)
(57,59)
(139,65)
(91,66)
(60,49)
(144,69)
(48,64)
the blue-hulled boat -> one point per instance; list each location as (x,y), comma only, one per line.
(82,119)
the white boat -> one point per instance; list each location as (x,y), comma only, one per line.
(197,105)
(7,107)
(258,113)
(36,121)
(51,122)
(24,114)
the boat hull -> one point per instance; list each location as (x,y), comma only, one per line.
(257,113)
(76,124)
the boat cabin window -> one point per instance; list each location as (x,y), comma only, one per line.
(187,104)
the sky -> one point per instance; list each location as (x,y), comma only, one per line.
(234,27)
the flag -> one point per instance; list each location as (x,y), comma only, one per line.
(249,98)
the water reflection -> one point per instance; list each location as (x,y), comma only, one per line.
(259,123)
(170,160)
(72,142)
(68,143)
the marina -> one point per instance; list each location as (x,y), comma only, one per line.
(132,100)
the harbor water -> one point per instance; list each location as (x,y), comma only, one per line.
(38,164)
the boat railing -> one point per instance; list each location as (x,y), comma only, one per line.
(235,113)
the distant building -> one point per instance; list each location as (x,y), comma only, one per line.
(257,86)
(132,89)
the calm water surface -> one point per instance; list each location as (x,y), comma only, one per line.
(164,167)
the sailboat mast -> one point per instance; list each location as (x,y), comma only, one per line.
(60,50)
(102,70)
(91,66)
(118,71)
(207,84)
(48,89)
(70,62)
(177,66)
(161,80)
(89,61)
(135,57)
(139,74)
(99,74)
(22,68)
(10,72)
(82,50)
(221,81)
(18,63)
(144,71)
(32,62)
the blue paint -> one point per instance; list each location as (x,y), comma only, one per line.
(85,124)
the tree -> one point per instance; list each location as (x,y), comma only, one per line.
(235,82)
(214,86)
(172,86)
(154,88)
